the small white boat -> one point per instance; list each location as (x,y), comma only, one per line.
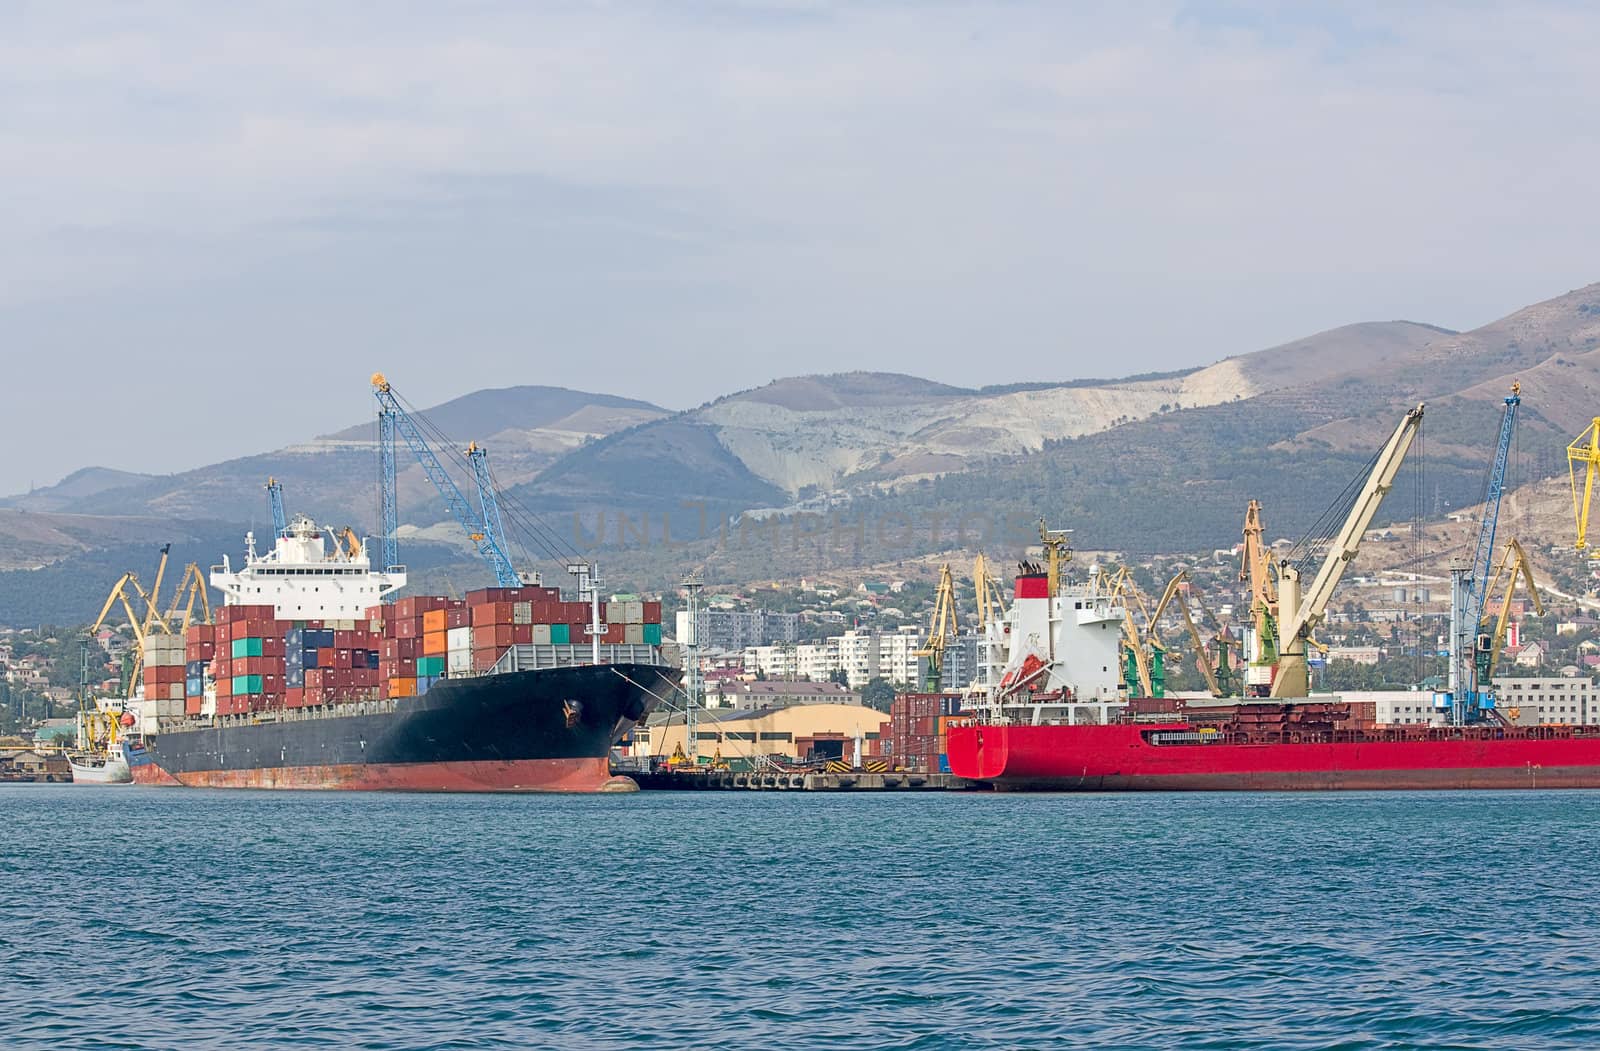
(105,768)
(99,759)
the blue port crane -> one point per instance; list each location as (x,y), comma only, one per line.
(483,527)
(1471,689)
(280,521)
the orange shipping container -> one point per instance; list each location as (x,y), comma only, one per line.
(402,688)
(434,620)
(435,643)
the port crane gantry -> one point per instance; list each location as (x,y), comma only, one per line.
(483,527)
(1584,451)
(1471,691)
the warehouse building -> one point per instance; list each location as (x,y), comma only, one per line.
(800,731)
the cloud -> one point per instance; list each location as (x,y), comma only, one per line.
(669,200)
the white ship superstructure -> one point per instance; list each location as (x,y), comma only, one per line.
(1053,657)
(310,574)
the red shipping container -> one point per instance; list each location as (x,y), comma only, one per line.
(316,678)
(652,613)
(272,647)
(616,634)
(408,628)
(458,618)
(341,658)
(483,660)
(222,633)
(344,640)
(491,614)
(522,634)
(191,705)
(405,668)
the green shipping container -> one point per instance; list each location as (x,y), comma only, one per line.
(430,667)
(652,634)
(246,683)
(560,635)
(246,648)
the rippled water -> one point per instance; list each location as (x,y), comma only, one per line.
(170,918)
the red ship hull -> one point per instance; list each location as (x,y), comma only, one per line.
(1122,758)
(521,775)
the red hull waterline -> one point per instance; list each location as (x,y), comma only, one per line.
(1121,758)
(522,775)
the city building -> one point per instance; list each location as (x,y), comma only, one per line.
(778,693)
(1548,700)
(735,630)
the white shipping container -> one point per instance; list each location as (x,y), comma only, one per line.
(633,634)
(633,612)
(522,613)
(458,662)
(459,639)
(541,634)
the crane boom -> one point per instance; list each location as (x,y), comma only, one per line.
(489,545)
(280,521)
(1300,613)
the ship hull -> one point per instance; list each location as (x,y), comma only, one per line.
(531,731)
(1122,758)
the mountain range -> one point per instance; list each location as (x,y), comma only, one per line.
(1139,463)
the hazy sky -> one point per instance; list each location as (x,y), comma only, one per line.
(219,219)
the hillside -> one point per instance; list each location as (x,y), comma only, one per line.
(332,477)
(814,435)
(816,472)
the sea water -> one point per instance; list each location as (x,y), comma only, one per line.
(172,918)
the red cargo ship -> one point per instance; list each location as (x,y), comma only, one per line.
(1050,717)
(1179,756)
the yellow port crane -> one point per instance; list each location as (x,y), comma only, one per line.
(1174,593)
(1139,671)
(1514,567)
(1585,450)
(941,629)
(1255,567)
(989,593)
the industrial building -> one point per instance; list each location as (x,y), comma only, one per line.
(800,731)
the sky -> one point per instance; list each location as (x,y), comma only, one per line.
(220,219)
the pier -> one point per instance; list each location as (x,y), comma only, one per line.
(800,781)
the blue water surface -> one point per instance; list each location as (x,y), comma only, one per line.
(172,918)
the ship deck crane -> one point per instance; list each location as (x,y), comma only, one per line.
(941,629)
(1301,611)
(1471,693)
(483,529)
(1514,567)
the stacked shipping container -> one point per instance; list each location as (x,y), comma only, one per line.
(258,662)
(164,671)
(917,725)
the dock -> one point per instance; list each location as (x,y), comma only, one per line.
(800,781)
